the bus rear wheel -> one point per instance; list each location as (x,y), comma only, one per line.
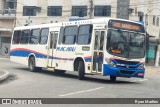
(113,78)
(32,65)
(81,70)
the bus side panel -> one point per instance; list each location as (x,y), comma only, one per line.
(17,54)
(21,60)
(64,57)
(21,54)
(41,55)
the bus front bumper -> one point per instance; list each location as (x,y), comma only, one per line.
(122,72)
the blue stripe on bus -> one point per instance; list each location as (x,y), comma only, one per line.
(22,52)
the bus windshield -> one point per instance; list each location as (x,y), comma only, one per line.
(126,44)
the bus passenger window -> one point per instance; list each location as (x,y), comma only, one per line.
(61,35)
(16,37)
(84,36)
(34,36)
(44,36)
(97,33)
(70,34)
(25,36)
(102,40)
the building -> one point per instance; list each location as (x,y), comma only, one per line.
(51,11)
(147,12)
(7,19)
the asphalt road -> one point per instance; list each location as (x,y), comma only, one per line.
(46,84)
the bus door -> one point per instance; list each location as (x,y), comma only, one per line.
(52,49)
(97,65)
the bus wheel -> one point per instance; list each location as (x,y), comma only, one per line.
(32,65)
(81,70)
(113,78)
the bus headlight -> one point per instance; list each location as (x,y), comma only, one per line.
(110,63)
(141,66)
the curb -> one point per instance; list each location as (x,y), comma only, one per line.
(4,76)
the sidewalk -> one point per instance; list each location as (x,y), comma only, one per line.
(4,56)
(152,70)
(3,75)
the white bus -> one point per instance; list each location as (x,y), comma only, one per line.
(107,46)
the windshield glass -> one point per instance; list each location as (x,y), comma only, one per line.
(125,44)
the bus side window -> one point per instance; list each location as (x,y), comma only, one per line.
(16,37)
(34,37)
(70,34)
(102,40)
(25,36)
(43,36)
(85,33)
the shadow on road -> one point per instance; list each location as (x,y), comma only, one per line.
(74,75)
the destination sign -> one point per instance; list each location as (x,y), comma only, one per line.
(126,25)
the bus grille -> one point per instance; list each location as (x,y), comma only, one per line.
(126,62)
(126,72)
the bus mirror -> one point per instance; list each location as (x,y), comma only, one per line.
(158,41)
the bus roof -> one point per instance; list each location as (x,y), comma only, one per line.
(80,22)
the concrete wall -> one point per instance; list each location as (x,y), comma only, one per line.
(122,9)
(6,23)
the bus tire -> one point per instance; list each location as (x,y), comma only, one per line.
(32,65)
(113,78)
(81,70)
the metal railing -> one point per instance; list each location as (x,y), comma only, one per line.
(8,11)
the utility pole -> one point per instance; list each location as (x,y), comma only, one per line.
(90,9)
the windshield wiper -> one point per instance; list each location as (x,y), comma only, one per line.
(122,35)
(126,42)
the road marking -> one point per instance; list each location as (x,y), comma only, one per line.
(81,91)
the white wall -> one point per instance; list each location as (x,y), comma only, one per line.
(55,2)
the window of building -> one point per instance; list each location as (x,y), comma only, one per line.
(6,39)
(54,11)
(140,15)
(84,36)
(141,18)
(157,22)
(25,36)
(104,10)
(10,4)
(44,36)
(70,34)
(79,11)
(34,37)
(16,37)
(154,20)
(29,10)
(61,35)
